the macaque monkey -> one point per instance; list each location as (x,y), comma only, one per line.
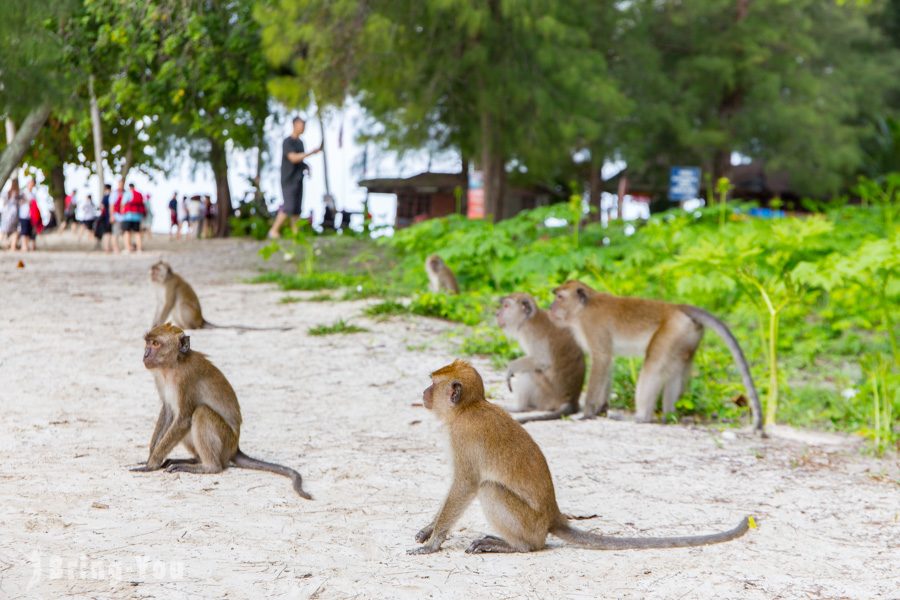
(550,375)
(178,303)
(440,277)
(666,335)
(495,459)
(199,409)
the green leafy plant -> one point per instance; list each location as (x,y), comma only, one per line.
(338,327)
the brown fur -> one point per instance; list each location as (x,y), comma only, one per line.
(495,459)
(177,303)
(550,375)
(440,277)
(199,410)
(666,335)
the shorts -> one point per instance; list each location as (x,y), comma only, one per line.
(89,223)
(173,216)
(292,193)
(131,226)
(101,228)
(70,218)
(25,228)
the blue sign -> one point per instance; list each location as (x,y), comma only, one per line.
(684,183)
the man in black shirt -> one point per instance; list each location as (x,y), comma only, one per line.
(292,169)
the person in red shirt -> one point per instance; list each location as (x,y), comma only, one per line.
(132,213)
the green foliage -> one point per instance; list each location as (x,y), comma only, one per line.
(255,227)
(485,340)
(812,299)
(388,308)
(338,327)
(465,308)
(316,281)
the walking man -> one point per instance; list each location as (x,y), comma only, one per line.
(292,170)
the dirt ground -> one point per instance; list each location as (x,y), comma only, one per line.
(77,408)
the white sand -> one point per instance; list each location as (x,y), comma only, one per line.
(78,408)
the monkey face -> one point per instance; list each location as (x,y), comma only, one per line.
(159,272)
(568,300)
(433,263)
(452,386)
(514,310)
(164,345)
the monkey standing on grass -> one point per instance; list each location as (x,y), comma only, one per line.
(199,409)
(495,459)
(666,335)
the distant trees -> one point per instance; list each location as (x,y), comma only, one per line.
(539,91)
(525,87)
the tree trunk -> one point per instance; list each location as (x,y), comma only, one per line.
(10,136)
(219,162)
(463,204)
(15,150)
(324,155)
(620,195)
(129,159)
(57,185)
(493,166)
(96,127)
(595,183)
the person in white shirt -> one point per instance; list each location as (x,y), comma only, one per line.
(86,214)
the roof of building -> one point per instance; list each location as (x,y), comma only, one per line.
(426,182)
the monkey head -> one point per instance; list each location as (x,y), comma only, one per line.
(452,387)
(568,301)
(514,310)
(160,271)
(165,345)
(433,263)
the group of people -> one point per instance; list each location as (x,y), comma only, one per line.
(20,218)
(122,217)
(198,212)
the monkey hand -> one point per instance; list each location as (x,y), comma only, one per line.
(427,549)
(509,376)
(143,468)
(424,534)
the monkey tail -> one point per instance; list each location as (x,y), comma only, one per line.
(586,539)
(565,411)
(208,325)
(709,320)
(245,462)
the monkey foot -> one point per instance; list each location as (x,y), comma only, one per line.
(490,543)
(423,550)
(424,534)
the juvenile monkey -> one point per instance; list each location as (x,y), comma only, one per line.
(666,335)
(199,409)
(178,303)
(440,277)
(550,375)
(495,459)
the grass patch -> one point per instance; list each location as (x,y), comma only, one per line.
(326,280)
(290,300)
(338,327)
(490,341)
(388,308)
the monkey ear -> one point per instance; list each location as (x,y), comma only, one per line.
(582,295)
(184,344)
(456,392)
(528,307)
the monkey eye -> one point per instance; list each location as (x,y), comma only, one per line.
(155,344)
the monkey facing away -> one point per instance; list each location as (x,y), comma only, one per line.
(666,335)
(440,277)
(495,459)
(550,375)
(177,303)
(199,409)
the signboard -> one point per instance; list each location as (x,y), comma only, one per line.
(684,183)
(475,197)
